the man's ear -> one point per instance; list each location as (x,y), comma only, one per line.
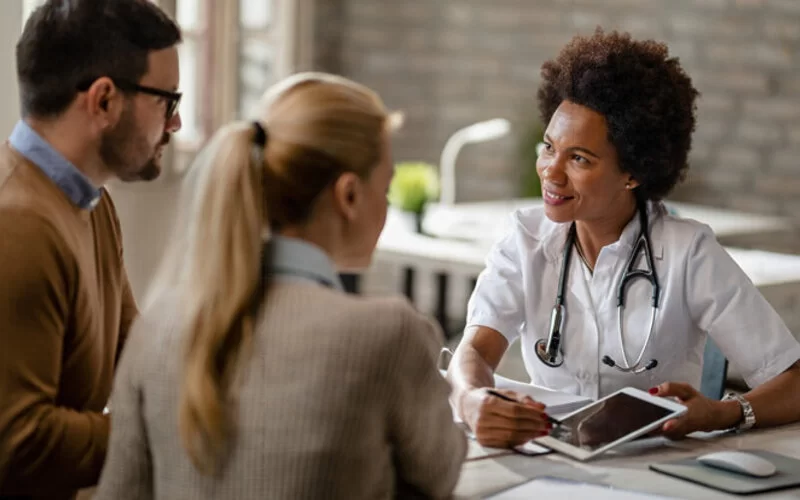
(104,101)
(347,194)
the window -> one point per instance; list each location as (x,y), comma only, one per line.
(256,52)
(232,52)
(192,17)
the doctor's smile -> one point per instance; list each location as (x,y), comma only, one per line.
(551,198)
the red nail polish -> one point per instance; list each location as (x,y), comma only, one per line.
(653,390)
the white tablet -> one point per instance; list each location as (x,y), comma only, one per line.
(615,419)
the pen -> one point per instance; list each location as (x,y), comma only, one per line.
(512,400)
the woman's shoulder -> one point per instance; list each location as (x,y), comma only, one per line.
(372,327)
(349,311)
(393,323)
(529,233)
(678,231)
(532,223)
(398,329)
(155,335)
(393,314)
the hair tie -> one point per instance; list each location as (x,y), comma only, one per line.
(260,138)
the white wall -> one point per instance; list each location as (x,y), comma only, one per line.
(146,211)
(10,28)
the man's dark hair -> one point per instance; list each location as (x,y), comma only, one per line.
(647,99)
(67,43)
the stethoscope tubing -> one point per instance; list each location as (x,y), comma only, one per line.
(550,351)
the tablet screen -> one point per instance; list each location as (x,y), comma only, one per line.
(605,422)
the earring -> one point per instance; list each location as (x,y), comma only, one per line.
(627,185)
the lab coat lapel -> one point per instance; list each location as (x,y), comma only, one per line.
(575,288)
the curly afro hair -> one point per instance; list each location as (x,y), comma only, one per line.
(646,97)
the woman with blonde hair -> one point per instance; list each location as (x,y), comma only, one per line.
(251,374)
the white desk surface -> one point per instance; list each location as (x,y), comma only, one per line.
(488,471)
(400,244)
(488,219)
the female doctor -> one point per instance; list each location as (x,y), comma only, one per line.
(604,288)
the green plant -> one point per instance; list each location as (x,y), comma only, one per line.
(414,184)
(529,141)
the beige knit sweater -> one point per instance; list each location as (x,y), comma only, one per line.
(340,398)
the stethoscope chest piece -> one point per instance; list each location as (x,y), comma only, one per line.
(554,359)
(549,350)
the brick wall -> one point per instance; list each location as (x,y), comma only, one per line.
(449,63)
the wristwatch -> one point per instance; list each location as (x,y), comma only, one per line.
(748,417)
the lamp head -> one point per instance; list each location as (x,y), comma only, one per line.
(478,132)
(487,130)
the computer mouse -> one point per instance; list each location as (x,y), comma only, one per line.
(740,462)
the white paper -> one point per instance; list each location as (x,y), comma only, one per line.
(532,449)
(557,488)
(557,403)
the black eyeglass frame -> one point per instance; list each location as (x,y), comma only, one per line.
(173,98)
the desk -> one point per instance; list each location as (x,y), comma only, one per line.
(399,243)
(482,476)
(489,220)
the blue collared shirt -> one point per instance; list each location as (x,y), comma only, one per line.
(294,259)
(64,174)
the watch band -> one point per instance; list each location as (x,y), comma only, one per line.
(748,417)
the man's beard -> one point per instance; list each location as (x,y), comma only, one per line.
(152,169)
(121,145)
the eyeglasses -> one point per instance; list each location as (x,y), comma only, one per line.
(172,98)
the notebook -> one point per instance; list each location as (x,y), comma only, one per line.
(557,403)
(690,469)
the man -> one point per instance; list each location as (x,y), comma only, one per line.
(98,82)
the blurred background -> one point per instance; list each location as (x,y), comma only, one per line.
(450,63)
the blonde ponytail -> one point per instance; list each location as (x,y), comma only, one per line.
(319,126)
(221,272)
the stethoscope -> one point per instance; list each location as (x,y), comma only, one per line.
(549,351)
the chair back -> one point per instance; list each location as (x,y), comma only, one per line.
(715,371)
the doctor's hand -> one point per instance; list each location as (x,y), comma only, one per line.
(703,414)
(504,424)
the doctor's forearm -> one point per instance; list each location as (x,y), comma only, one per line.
(469,370)
(777,401)
(475,361)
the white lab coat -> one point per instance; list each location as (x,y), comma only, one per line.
(703,292)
